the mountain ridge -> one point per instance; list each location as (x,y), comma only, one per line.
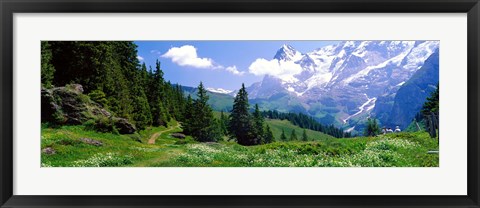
(336,80)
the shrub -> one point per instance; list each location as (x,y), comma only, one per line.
(99,97)
(372,128)
(104,125)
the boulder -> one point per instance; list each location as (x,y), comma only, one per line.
(124,127)
(51,110)
(48,151)
(101,112)
(68,105)
(76,88)
(178,135)
(91,141)
(64,105)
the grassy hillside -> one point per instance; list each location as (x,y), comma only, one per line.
(71,150)
(278,125)
(217,101)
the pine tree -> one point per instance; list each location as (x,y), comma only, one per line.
(202,125)
(187,127)
(293,136)
(432,103)
(112,76)
(142,114)
(372,128)
(258,122)
(283,137)
(269,138)
(99,97)
(240,125)
(156,97)
(223,123)
(47,69)
(304,135)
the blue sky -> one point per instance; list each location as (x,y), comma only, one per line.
(219,64)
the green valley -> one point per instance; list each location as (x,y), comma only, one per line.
(391,150)
(101,107)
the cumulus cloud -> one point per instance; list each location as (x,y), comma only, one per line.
(140,58)
(280,69)
(187,56)
(234,70)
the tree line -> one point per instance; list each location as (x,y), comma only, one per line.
(293,136)
(242,126)
(429,114)
(112,76)
(307,122)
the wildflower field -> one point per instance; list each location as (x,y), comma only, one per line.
(391,150)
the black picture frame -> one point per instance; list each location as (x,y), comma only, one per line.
(9,7)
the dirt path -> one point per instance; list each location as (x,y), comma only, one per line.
(156,135)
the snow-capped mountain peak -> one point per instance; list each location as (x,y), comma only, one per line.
(287,53)
(345,75)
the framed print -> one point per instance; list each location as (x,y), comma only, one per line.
(247,104)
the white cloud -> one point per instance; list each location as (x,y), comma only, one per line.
(234,70)
(155,52)
(187,56)
(140,58)
(280,69)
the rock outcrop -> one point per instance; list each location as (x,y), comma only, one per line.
(91,141)
(68,105)
(178,135)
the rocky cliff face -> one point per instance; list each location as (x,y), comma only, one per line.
(68,105)
(409,99)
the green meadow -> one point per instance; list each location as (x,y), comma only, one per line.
(391,150)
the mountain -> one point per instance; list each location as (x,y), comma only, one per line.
(409,99)
(219,90)
(342,83)
(218,101)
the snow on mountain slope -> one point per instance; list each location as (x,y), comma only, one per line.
(219,90)
(341,76)
(365,107)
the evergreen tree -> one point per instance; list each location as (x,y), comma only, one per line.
(258,122)
(141,109)
(96,65)
(293,136)
(99,97)
(144,77)
(156,97)
(269,138)
(112,76)
(432,103)
(188,119)
(283,137)
(202,125)
(372,128)
(223,123)
(47,69)
(240,125)
(304,135)
(304,121)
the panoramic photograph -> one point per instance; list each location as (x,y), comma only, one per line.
(240,103)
